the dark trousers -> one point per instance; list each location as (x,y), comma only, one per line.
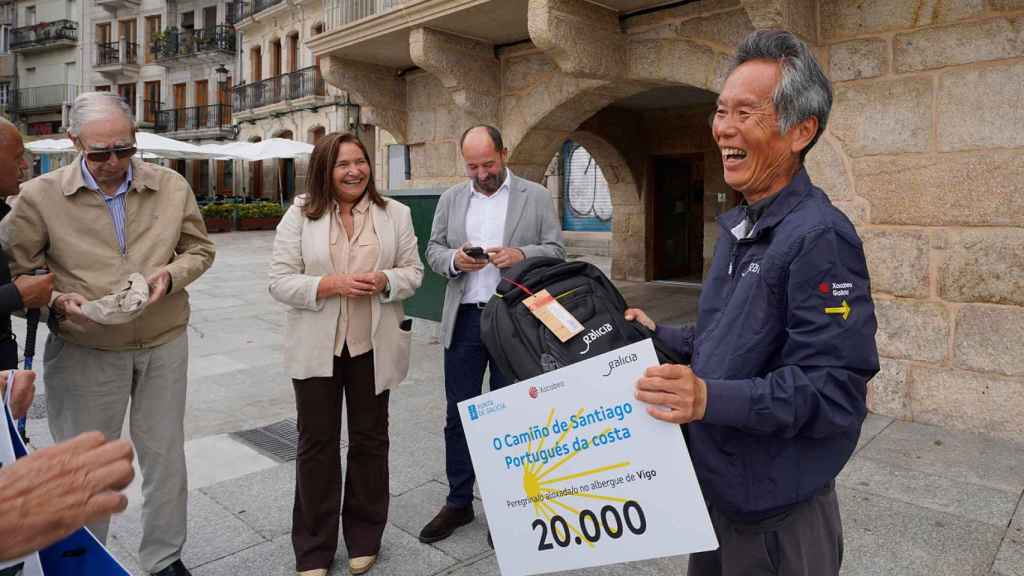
(464,364)
(318,499)
(8,353)
(806,540)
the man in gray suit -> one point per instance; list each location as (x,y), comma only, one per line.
(480,227)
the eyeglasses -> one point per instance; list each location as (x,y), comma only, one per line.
(104,155)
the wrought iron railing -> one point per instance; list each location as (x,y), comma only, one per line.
(39,97)
(291,86)
(241,10)
(338,13)
(194,118)
(175,44)
(44,33)
(109,53)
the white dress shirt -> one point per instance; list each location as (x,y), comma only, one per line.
(485,227)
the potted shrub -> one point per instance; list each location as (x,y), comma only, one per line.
(218,217)
(259,215)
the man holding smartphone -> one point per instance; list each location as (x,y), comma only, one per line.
(481,227)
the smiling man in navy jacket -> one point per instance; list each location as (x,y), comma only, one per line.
(773,395)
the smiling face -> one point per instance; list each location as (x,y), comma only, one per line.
(485,165)
(757,158)
(351,173)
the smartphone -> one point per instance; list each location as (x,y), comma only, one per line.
(476,252)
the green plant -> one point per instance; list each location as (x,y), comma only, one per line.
(260,210)
(217,210)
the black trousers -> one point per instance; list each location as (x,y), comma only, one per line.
(318,488)
(806,540)
(464,364)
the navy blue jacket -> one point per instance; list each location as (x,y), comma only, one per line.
(786,369)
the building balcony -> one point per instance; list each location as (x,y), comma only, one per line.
(44,36)
(203,46)
(339,13)
(150,116)
(116,58)
(196,123)
(242,13)
(280,94)
(43,98)
(114,5)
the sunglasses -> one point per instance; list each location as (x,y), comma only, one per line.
(104,155)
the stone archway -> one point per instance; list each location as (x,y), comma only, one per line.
(627,209)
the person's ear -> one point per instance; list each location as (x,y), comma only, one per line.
(803,133)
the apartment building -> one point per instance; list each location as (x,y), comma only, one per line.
(174,62)
(931,177)
(280,92)
(44,39)
(8,71)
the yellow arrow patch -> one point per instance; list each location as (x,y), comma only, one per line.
(844,310)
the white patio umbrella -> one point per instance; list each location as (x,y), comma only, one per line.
(51,146)
(270,149)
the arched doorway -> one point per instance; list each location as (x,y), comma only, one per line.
(654,148)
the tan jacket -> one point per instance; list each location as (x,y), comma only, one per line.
(59,223)
(302,256)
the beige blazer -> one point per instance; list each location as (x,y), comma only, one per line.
(302,257)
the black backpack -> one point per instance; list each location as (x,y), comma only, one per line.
(523,347)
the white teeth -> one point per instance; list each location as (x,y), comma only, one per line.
(734,153)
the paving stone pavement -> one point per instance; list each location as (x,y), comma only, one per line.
(916,500)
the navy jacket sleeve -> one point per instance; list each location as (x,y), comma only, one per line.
(828,357)
(679,339)
(10,298)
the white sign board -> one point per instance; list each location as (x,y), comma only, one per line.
(574,472)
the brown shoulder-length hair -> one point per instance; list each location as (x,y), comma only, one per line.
(320,193)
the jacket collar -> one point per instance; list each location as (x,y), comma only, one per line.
(144,177)
(784,202)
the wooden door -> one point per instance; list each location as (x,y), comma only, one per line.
(152,31)
(202,113)
(676,217)
(179,106)
(151,101)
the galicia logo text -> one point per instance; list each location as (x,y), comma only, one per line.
(593,335)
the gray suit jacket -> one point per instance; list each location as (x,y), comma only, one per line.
(531,225)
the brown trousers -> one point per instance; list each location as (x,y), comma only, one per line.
(318,489)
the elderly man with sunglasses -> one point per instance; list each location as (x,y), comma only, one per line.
(93,223)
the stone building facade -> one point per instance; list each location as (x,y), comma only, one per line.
(924,151)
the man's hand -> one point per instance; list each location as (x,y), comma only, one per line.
(466,263)
(70,305)
(503,257)
(35,290)
(23,391)
(159,282)
(677,394)
(54,491)
(641,317)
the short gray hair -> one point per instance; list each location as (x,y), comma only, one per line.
(91,106)
(803,91)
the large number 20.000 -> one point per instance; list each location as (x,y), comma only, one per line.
(591,526)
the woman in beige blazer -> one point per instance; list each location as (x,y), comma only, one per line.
(344,259)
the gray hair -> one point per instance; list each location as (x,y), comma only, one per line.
(803,91)
(91,106)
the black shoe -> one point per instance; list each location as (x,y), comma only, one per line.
(446,521)
(490,542)
(175,569)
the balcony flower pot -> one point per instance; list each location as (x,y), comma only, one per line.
(259,216)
